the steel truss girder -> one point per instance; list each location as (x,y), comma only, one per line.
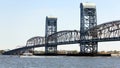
(107,31)
(38,40)
(64,36)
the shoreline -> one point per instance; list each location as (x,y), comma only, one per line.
(92,55)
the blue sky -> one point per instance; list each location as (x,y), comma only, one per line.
(23,19)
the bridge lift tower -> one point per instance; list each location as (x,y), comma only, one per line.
(51,27)
(88,20)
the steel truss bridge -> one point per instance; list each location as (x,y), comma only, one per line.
(109,31)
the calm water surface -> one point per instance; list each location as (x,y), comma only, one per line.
(59,62)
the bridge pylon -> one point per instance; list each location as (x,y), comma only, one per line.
(51,27)
(88,20)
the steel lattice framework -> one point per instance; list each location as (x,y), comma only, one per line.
(109,31)
(38,40)
(67,36)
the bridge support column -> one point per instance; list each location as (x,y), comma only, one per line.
(88,20)
(51,27)
(88,48)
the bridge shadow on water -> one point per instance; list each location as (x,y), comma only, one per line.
(88,54)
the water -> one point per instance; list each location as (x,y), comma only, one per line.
(59,62)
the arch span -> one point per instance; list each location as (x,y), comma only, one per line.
(64,36)
(37,40)
(109,31)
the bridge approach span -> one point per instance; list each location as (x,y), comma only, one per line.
(63,38)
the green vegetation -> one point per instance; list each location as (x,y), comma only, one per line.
(109,52)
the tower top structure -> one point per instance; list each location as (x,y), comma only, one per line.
(88,5)
(51,17)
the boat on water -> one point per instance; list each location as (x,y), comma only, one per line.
(27,54)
